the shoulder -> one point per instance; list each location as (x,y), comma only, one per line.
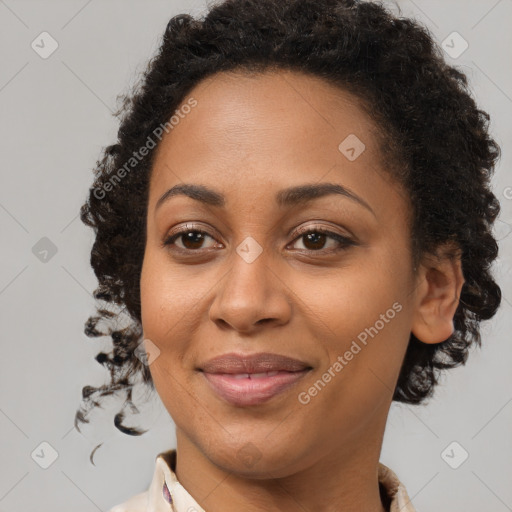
(137,503)
(395,490)
(153,497)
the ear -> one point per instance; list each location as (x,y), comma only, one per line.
(437,294)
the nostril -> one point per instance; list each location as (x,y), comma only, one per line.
(264,320)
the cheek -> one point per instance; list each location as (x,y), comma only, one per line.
(171,317)
(347,300)
(361,315)
(166,306)
(167,300)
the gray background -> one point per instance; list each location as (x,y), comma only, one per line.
(55,118)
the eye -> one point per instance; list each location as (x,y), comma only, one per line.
(314,240)
(189,239)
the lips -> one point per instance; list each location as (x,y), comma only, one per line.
(253,363)
(245,380)
(252,375)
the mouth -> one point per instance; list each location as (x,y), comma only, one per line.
(245,389)
(245,380)
(262,362)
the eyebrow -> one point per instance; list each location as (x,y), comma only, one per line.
(292,196)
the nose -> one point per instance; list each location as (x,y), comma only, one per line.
(251,295)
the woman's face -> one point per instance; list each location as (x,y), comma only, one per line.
(264,279)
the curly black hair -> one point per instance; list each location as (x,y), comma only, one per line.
(434,133)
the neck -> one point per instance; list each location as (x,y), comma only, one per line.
(344,478)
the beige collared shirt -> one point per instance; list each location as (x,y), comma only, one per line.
(165,483)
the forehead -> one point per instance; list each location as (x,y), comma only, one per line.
(235,104)
(262,128)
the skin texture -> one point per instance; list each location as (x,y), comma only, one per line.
(247,138)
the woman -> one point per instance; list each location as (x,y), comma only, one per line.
(297,218)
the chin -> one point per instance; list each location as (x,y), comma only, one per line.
(247,459)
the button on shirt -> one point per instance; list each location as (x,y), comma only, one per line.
(166,494)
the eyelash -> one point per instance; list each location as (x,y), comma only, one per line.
(344,241)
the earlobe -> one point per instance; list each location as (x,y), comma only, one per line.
(437,297)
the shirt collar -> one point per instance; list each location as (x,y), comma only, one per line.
(182,501)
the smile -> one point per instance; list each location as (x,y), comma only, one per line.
(245,389)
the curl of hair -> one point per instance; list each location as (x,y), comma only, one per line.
(435,141)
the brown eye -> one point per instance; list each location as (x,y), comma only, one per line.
(315,239)
(191,239)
